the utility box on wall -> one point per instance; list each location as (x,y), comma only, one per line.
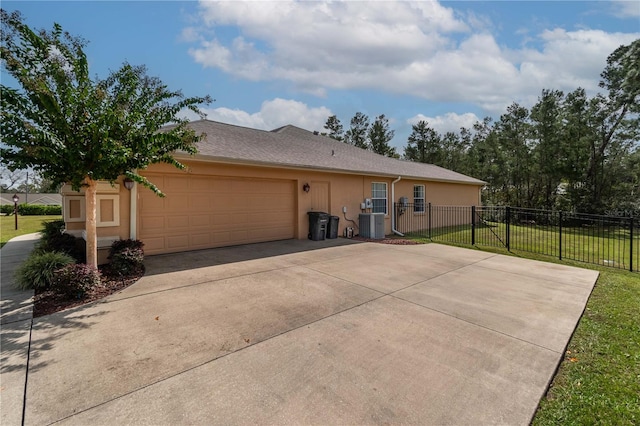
(371,225)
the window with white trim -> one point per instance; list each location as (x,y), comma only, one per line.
(418,198)
(379,197)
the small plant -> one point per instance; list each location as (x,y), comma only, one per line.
(75,280)
(126,256)
(53,238)
(38,270)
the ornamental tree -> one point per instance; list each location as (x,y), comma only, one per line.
(75,129)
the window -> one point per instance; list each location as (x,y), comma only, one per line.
(379,197)
(418,198)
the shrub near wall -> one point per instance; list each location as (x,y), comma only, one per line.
(53,238)
(75,280)
(127,257)
(32,210)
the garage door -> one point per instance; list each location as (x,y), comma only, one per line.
(203,212)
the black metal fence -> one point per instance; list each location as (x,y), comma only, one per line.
(602,240)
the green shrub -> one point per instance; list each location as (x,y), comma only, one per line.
(39,269)
(53,238)
(32,210)
(126,256)
(75,280)
(52,210)
(51,229)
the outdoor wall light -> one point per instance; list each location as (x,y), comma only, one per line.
(15,208)
(128,183)
(306,187)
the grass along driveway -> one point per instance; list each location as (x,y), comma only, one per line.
(26,225)
(599,379)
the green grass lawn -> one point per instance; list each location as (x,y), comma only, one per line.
(26,225)
(598,381)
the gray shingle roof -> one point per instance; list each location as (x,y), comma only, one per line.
(290,146)
(51,199)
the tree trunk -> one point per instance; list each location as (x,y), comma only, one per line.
(90,225)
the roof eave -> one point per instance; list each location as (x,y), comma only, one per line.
(244,162)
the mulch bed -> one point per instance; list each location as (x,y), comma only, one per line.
(47,302)
(392,240)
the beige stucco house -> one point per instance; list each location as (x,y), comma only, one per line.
(247,185)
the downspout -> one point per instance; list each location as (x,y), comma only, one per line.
(393,200)
(133,212)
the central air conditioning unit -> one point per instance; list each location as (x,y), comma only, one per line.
(371,225)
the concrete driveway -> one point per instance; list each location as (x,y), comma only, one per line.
(303,332)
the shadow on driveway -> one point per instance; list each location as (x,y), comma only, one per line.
(174,262)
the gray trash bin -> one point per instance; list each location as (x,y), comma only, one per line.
(318,225)
(332,227)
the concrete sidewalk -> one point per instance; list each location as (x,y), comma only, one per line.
(16,311)
(295,332)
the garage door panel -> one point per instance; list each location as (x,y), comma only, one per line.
(203,239)
(200,221)
(240,218)
(239,235)
(150,201)
(177,202)
(222,238)
(154,244)
(176,184)
(151,224)
(234,203)
(220,219)
(178,242)
(175,223)
(204,211)
(199,202)
(200,184)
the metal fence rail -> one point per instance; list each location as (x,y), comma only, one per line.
(602,240)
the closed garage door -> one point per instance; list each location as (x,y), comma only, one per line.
(203,212)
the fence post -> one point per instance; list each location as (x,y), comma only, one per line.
(508,220)
(429,220)
(631,245)
(560,235)
(473,225)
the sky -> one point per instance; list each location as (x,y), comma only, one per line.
(272,63)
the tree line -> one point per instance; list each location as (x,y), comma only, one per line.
(569,151)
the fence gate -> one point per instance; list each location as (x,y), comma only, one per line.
(490,226)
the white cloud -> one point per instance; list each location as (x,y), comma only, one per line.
(419,48)
(449,122)
(626,8)
(273,114)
